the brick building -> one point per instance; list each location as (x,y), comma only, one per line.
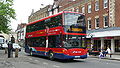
(43,12)
(102,20)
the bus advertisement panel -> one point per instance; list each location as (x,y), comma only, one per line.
(61,36)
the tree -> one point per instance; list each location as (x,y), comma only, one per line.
(6,14)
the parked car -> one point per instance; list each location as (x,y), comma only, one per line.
(3,46)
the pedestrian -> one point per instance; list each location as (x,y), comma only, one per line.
(108,51)
(102,53)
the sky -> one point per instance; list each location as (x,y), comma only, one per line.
(23,9)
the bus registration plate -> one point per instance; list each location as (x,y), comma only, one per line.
(77,56)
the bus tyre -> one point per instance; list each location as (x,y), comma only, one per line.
(51,55)
(71,59)
(31,53)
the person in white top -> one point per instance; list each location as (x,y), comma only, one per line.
(109,51)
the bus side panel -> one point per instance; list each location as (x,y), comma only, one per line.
(58,53)
(63,56)
(41,51)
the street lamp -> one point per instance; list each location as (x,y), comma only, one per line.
(91,38)
(90,35)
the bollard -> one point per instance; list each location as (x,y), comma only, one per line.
(16,52)
(5,50)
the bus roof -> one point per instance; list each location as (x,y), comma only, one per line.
(53,16)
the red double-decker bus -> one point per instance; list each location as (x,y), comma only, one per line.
(61,36)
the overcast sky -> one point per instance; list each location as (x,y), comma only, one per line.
(23,9)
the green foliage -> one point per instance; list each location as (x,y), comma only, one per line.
(6,14)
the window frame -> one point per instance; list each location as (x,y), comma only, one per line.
(97,22)
(105,4)
(89,24)
(97,6)
(83,9)
(105,21)
(89,8)
(77,9)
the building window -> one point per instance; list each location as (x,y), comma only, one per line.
(96,5)
(68,10)
(77,9)
(97,23)
(105,3)
(73,9)
(83,9)
(73,0)
(105,21)
(89,8)
(55,11)
(89,24)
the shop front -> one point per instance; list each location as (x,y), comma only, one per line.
(117,44)
(103,38)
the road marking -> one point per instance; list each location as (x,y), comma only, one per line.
(36,60)
(56,66)
(107,63)
(13,67)
(45,63)
(30,58)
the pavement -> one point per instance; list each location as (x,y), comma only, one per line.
(4,56)
(113,57)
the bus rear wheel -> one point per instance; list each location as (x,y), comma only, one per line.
(31,53)
(51,55)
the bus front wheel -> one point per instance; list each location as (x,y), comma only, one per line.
(51,55)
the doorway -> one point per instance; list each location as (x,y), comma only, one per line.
(107,43)
(117,45)
(97,45)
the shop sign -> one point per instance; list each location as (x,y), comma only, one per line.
(96,38)
(108,37)
(116,37)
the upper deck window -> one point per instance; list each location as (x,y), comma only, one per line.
(73,18)
(74,23)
